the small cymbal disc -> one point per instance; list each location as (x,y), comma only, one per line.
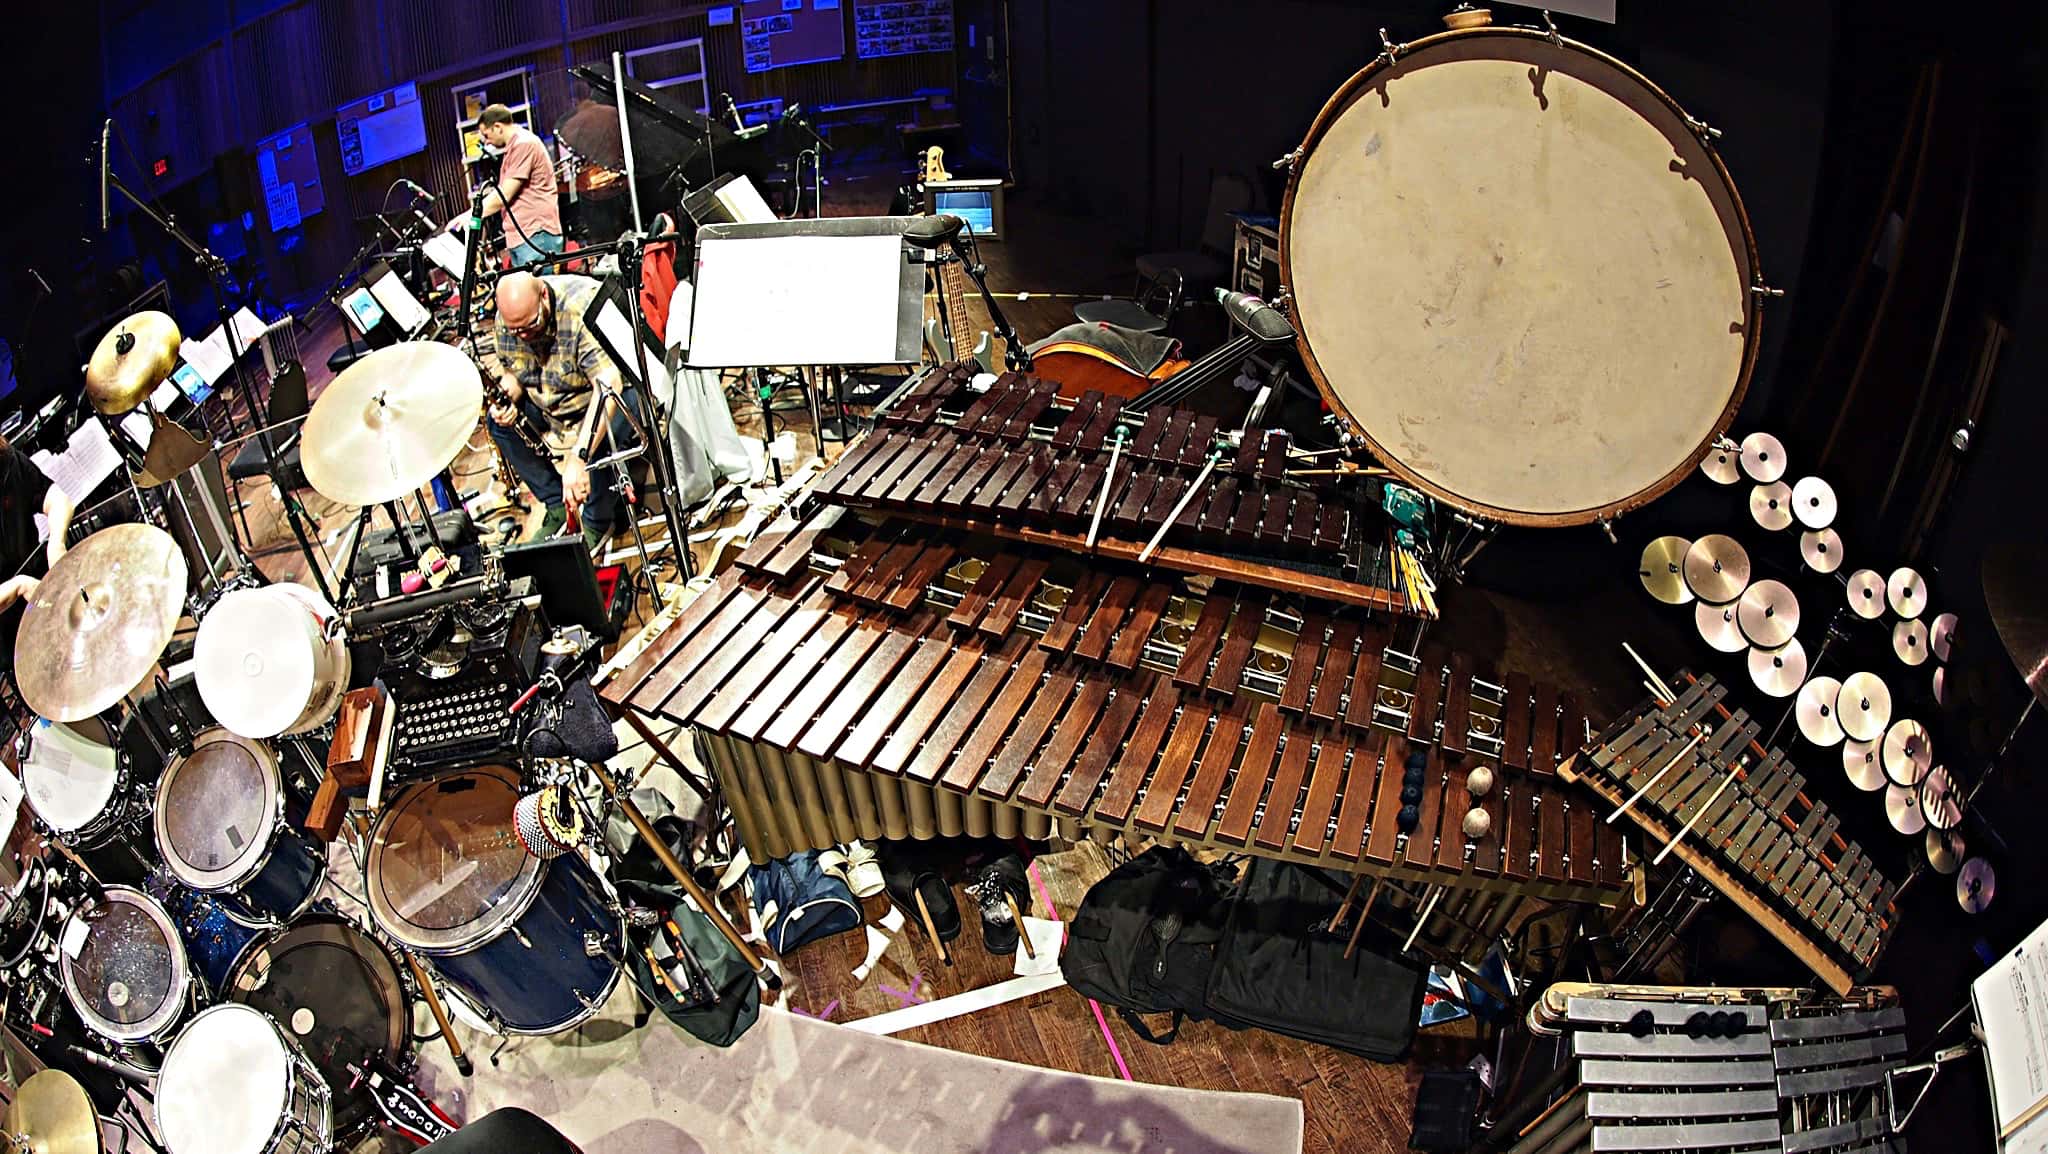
(1822,549)
(1908,751)
(1768,614)
(1864,707)
(1944,850)
(1815,711)
(1866,594)
(1763,458)
(1940,801)
(1906,591)
(1717,625)
(1721,465)
(1942,634)
(1771,506)
(1975,883)
(1716,568)
(1909,642)
(1662,570)
(1902,809)
(1813,502)
(1940,685)
(1779,672)
(1860,762)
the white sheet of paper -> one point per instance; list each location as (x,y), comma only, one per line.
(87,460)
(165,396)
(249,328)
(1045,940)
(445,250)
(2011,999)
(796,300)
(138,425)
(208,355)
(399,302)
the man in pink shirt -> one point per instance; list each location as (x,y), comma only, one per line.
(525,189)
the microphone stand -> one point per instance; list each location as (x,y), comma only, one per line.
(1014,353)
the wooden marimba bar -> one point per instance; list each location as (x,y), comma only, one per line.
(1740,817)
(854,681)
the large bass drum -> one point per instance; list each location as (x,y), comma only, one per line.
(1522,273)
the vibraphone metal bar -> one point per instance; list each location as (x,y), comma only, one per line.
(1691,772)
(847,680)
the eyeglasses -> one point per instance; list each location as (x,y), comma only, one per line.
(532,328)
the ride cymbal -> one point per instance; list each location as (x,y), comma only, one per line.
(1721,464)
(1779,672)
(1941,802)
(1815,711)
(1975,885)
(98,622)
(1866,594)
(1813,502)
(1902,809)
(1768,614)
(1771,506)
(1941,634)
(1864,706)
(1763,458)
(1860,762)
(1906,591)
(1717,626)
(137,354)
(1662,570)
(390,422)
(53,1115)
(1909,642)
(1716,568)
(2013,572)
(1945,850)
(1822,550)
(1908,751)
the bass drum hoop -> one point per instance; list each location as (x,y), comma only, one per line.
(250,864)
(1734,212)
(487,927)
(158,1025)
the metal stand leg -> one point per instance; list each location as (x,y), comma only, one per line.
(661,750)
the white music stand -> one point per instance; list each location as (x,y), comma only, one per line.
(840,291)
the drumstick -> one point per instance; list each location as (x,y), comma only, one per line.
(432,996)
(1102,495)
(1364,913)
(1659,776)
(1344,907)
(924,912)
(1208,467)
(1023,932)
(1687,828)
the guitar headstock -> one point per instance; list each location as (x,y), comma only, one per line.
(934,166)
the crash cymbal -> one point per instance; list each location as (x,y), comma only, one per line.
(1763,458)
(1866,594)
(51,1111)
(1779,672)
(1864,707)
(1940,801)
(1721,465)
(1940,685)
(1661,570)
(1768,614)
(1771,506)
(135,356)
(1902,809)
(1815,711)
(1975,883)
(1716,568)
(1860,762)
(1906,592)
(1908,751)
(1944,850)
(1822,549)
(1909,642)
(1717,625)
(391,421)
(1941,634)
(1813,502)
(2013,572)
(98,622)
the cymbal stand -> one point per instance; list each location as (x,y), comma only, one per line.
(1837,629)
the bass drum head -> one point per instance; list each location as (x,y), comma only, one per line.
(224,1085)
(216,810)
(69,773)
(1520,275)
(124,966)
(335,992)
(447,870)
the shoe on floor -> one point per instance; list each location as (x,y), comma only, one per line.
(907,878)
(1000,890)
(863,870)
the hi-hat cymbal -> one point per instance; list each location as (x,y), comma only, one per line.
(1909,642)
(99,621)
(1768,614)
(1779,672)
(1866,594)
(1813,502)
(1975,884)
(1902,809)
(1662,571)
(1763,458)
(1944,850)
(1717,625)
(1940,801)
(391,421)
(135,356)
(1908,751)
(1721,465)
(1815,711)
(1716,568)
(1864,707)
(1860,762)
(1771,505)
(1822,549)
(1942,634)
(1906,591)
(2013,572)
(51,1111)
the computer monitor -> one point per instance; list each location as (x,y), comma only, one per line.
(978,202)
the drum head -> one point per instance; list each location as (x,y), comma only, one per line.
(224,1084)
(69,777)
(128,974)
(257,660)
(446,868)
(1520,275)
(336,993)
(216,809)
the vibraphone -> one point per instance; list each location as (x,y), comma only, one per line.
(848,680)
(1740,818)
(1707,1069)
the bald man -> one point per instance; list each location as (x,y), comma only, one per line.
(551,365)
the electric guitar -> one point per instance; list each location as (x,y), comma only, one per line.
(955,286)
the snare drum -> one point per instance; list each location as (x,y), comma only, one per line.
(532,943)
(221,828)
(234,1083)
(124,967)
(266,664)
(77,784)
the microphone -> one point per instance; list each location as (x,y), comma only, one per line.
(105,129)
(934,232)
(417,192)
(125,1070)
(1255,316)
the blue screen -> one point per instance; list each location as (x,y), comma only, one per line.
(976,206)
(364,308)
(192,384)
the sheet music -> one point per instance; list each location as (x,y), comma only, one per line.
(2011,999)
(208,355)
(166,395)
(445,250)
(796,300)
(89,459)
(249,328)
(399,302)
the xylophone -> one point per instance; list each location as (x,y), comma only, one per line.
(1690,771)
(853,680)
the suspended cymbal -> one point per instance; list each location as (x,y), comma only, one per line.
(1975,883)
(1906,591)
(1864,707)
(391,421)
(1940,685)
(1940,801)
(1717,625)
(1771,506)
(128,364)
(1944,850)
(1941,634)
(1763,458)
(1815,711)
(1768,614)
(1909,642)
(2013,572)
(1908,751)
(51,1111)
(1813,502)
(1662,570)
(1716,568)
(1860,761)
(172,450)
(1822,549)
(1902,809)
(96,625)
(1721,465)
(1866,594)
(1779,672)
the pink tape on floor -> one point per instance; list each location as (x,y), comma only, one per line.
(1051,911)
